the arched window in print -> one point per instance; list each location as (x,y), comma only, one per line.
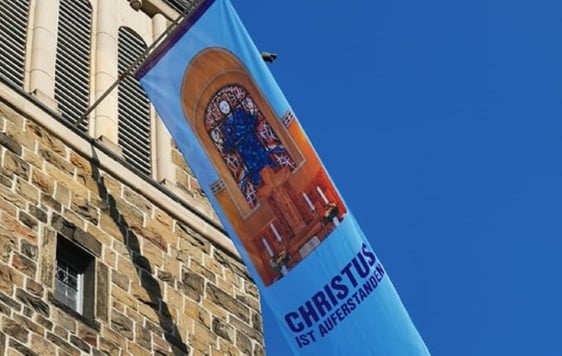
(244,138)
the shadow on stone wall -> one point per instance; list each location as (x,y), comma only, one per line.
(142,266)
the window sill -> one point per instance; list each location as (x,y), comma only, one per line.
(83,319)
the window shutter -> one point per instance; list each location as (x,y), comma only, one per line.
(13,33)
(180,5)
(134,106)
(72,69)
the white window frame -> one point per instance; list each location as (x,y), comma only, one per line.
(76,303)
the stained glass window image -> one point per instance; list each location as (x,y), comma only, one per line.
(246,142)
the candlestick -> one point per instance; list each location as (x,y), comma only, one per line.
(267,247)
(277,236)
(322,195)
(336,221)
(312,208)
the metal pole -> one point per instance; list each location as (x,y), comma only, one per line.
(133,65)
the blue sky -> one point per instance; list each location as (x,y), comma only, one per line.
(440,123)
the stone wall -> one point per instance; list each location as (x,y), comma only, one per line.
(163,285)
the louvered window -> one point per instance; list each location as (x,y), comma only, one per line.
(134,107)
(13,33)
(72,70)
(180,5)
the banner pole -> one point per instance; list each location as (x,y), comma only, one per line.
(135,63)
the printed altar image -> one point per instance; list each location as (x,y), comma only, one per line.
(272,187)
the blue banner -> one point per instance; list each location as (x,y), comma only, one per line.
(302,245)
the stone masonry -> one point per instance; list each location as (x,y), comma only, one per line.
(163,284)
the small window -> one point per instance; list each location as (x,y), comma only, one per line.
(69,286)
(74,278)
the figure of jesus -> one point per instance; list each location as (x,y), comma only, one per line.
(239,130)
